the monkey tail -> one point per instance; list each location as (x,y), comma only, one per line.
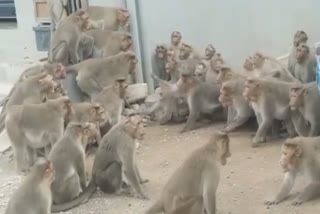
(80,199)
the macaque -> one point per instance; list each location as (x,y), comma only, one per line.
(172,68)
(158,60)
(202,98)
(231,96)
(66,39)
(226,73)
(35,126)
(306,100)
(68,157)
(176,42)
(306,63)
(209,52)
(32,90)
(114,159)
(201,71)
(34,194)
(95,74)
(299,37)
(109,43)
(187,52)
(109,18)
(197,176)
(248,65)
(112,99)
(299,155)
(269,100)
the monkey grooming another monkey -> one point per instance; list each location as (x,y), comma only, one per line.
(306,63)
(68,157)
(270,101)
(199,175)
(306,100)
(39,125)
(109,18)
(158,60)
(66,39)
(299,155)
(114,158)
(34,194)
(109,43)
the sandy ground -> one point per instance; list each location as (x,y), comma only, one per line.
(251,175)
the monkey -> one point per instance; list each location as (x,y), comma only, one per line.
(68,158)
(169,102)
(65,41)
(109,43)
(34,194)
(176,42)
(187,52)
(231,96)
(56,70)
(172,68)
(305,99)
(209,52)
(95,74)
(159,58)
(202,70)
(86,47)
(299,36)
(57,10)
(248,65)
(299,155)
(31,90)
(109,18)
(39,125)
(202,98)
(200,179)
(226,73)
(115,155)
(112,99)
(306,63)
(269,100)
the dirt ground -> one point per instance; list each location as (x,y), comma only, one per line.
(251,175)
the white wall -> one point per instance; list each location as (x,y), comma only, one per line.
(236,28)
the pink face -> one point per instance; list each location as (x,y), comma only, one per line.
(161,52)
(60,72)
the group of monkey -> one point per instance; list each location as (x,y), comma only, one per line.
(91,56)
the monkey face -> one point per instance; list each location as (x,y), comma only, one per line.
(201,70)
(184,52)
(224,75)
(302,52)
(225,97)
(299,36)
(123,17)
(126,43)
(251,90)
(209,52)
(171,65)
(60,72)
(176,38)
(135,127)
(160,52)
(90,133)
(290,156)
(97,113)
(296,99)
(82,20)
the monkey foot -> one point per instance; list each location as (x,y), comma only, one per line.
(271,202)
(296,203)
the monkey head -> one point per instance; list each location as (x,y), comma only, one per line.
(135,126)
(225,74)
(176,38)
(291,154)
(57,70)
(170,54)
(201,71)
(185,51)
(160,51)
(120,87)
(248,64)
(123,17)
(44,170)
(97,113)
(209,52)
(126,42)
(252,90)
(171,65)
(132,60)
(225,97)
(258,60)
(300,36)
(302,52)
(217,63)
(296,97)
(89,133)
(221,141)
(81,19)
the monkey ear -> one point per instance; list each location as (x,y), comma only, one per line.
(298,151)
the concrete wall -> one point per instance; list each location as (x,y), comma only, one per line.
(236,28)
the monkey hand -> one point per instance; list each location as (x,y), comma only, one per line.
(143,181)
(297,202)
(271,202)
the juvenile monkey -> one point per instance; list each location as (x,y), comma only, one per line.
(32,90)
(109,18)
(299,155)
(306,63)
(172,69)
(159,63)
(198,175)
(176,42)
(65,40)
(68,158)
(115,156)
(306,100)
(34,194)
(299,37)
(209,52)
(39,125)
(187,52)
(270,101)
(109,43)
